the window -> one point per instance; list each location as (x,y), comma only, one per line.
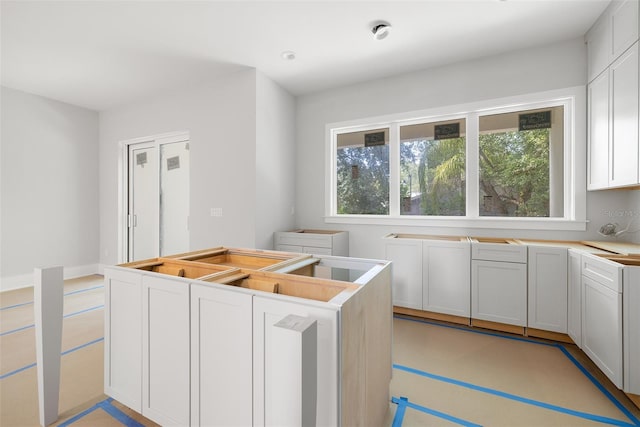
(512,160)
(362,164)
(432,168)
(516,152)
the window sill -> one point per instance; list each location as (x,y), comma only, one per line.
(559,224)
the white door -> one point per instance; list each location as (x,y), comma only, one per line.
(158,197)
(143,204)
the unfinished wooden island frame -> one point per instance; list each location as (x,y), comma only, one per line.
(192,339)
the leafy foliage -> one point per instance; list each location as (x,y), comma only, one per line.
(514,176)
(363,180)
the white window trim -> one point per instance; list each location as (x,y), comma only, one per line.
(573,99)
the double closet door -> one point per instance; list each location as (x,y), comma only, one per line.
(158,197)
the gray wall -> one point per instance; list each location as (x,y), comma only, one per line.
(49,197)
(275,160)
(241,129)
(528,71)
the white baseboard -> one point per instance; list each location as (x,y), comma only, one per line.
(26,280)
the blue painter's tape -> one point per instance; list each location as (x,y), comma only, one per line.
(438,414)
(600,387)
(402,407)
(116,413)
(97,307)
(16,305)
(71,350)
(17,371)
(514,397)
(475,331)
(68,293)
(107,407)
(79,416)
(64,353)
(17,330)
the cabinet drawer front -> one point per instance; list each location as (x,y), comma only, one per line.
(604,271)
(289,248)
(499,292)
(316,251)
(499,252)
(304,239)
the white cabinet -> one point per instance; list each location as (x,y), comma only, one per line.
(189,344)
(165,351)
(123,334)
(598,138)
(613,110)
(623,146)
(614,32)
(547,288)
(499,292)
(614,98)
(317,242)
(446,275)
(574,316)
(266,313)
(221,357)
(631,328)
(499,283)
(602,315)
(431,273)
(406,256)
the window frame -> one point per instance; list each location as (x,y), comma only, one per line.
(573,99)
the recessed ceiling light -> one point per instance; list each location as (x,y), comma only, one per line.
(288,55)
(380,30)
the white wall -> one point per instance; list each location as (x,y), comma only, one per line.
(49,197)
(241,130)
(527,71)
(275,161)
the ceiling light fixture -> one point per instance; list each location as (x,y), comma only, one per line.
(380,30)
(288,55)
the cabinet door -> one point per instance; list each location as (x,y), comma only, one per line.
(602,328)
(446,277)
(406,255)
(123,337)
(266,313)
(547,289)
(165,350)
(499,292)
(631,328)
(623,148)
(574,322)
(598,46)
(598,138)
(624,26)
(221,360)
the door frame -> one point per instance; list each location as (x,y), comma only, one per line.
(123,183)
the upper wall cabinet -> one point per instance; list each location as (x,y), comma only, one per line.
(614,32)
(614,98)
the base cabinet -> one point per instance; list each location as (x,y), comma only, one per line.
(123,334)
(266,313)
(406,255)
(602,328)
(602,315)
(165,351)
(221,347)
(187,347)
(499,292)
(631,328)
(547,288)
(446,277)
(574,294)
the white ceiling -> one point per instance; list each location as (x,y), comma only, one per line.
(103,54)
